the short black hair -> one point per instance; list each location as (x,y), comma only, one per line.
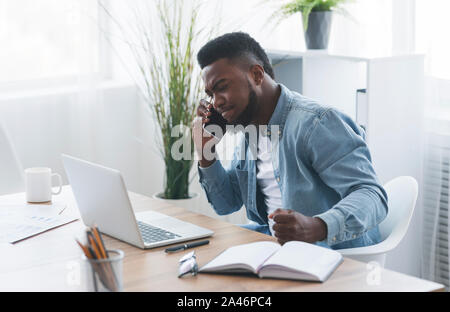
(231,46)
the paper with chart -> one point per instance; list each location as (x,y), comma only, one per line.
(19,221)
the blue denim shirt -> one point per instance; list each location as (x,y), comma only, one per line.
(322,165)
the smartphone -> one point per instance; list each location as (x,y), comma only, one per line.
(215,119)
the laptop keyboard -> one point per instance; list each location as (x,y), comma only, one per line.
(152,234)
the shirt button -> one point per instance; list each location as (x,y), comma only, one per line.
(278,179)
(334,239)
(354,236)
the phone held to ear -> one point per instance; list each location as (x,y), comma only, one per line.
(215,119)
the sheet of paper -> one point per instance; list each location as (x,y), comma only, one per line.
(19,221)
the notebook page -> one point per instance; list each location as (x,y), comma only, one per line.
(304,257)
(253,255)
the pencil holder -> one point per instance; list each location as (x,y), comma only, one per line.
(104,275)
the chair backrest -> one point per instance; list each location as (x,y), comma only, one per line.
(402,195)
(11,173)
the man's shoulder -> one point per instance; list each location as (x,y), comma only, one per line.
(304,111)
(307,106)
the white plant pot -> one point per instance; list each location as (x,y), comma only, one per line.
(191,204)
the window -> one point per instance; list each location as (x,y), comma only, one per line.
(432,24)
(48,39)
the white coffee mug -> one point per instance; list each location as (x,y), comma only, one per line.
(38,182)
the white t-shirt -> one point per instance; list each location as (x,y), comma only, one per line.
(266,177)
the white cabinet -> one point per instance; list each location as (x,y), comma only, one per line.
(393,99)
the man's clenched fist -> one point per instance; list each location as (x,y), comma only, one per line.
(291,225)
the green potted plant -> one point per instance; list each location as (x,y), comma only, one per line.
(169,81)
(317,18)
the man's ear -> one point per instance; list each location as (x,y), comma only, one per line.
(257,74)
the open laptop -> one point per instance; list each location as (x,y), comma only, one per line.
(102,199)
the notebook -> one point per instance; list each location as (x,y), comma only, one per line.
(294,260)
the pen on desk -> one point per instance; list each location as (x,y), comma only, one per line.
(186,246)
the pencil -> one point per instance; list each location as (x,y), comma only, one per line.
(104,252)
(97,267)
(99,241)
(85,250)
(103,243)
(95,250)
(94,246)
(91,251)
(105,268)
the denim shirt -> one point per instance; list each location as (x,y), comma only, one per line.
(322,165)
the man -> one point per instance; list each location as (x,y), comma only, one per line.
(312,180)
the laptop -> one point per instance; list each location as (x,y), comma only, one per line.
(102,199)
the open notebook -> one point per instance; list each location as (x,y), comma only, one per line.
(294,260)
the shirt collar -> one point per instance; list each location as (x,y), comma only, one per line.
(279,114)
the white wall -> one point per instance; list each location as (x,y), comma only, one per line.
(44,124)
(109,126)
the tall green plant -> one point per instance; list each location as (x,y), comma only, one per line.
(306,7)
(168,79)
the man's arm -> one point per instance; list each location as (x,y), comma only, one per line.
(341,158)
(221,188)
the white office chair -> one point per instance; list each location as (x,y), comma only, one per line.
(402,195)
(11,172)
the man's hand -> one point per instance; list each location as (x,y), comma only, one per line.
(291,225)
(200,139)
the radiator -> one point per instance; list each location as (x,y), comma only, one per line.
(436,186)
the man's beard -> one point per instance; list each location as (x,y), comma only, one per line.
(247,116)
